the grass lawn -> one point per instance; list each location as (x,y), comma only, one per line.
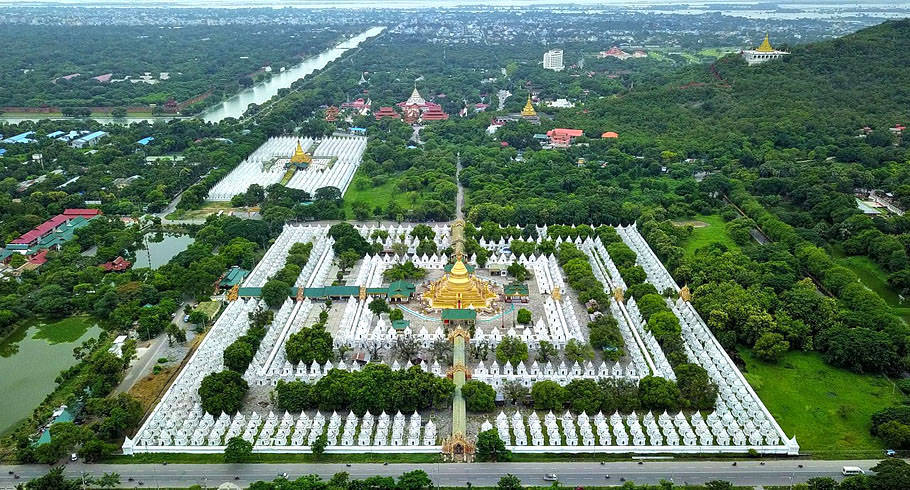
(873,277)
(715,231)
(376,196)
(210,207)
(210,308)
(828,409)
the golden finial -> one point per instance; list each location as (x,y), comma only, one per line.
(765,46)
(528,110)
(301,156)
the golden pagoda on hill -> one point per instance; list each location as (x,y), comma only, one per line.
(528,110)
(301,158)
(763,53)
(459,288)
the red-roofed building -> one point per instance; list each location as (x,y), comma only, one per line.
(32,237)
(609,135)
(561,137)
(359,105)
(38,259)
(117,265)
(385,112)
(103,78)
(434,112)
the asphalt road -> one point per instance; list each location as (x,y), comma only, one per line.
(751,472)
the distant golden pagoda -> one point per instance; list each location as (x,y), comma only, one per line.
(301,158)
(765,46)
(528,110)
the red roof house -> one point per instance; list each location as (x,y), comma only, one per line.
(117,265)
(562,137)
(385,112)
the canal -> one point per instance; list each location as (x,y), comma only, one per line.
(238,104)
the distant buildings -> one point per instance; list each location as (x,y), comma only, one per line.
(552,60)
(20,138)
(763,53)
(90,139)
(619,54)
(417,109)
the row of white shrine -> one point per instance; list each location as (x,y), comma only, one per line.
(179,424)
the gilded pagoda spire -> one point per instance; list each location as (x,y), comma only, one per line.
(300,156)
(528,110)
(765,46)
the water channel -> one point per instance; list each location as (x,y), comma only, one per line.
(30,360)
(257,94)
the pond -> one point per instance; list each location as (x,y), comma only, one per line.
(30,360)
(160,249)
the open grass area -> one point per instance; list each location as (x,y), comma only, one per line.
(148,389)
(376,196)
(715,231)
(828,409)
(210,207)
(873,277)
(210,308)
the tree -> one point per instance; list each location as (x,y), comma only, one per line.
(658,393)
(546,351)
(578,351)
(396,314)
(222,392)
(406,347)
(308,345)
(695,386)
(108,480)
(770,347)
(53,480)
(346,260)
(583,395)
(378,306)
(490,447)
(820,483)
(890,473)
(524,316)
(718,485)
(318,445)
(548,395)
(237,450)
(509,482)
(515,392)
(237,356)
(198,317)
(414,480)
(518,271)
(175,333)
(512,350)
(275,292)
(441,350)
(479,396)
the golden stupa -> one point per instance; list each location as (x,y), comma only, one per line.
(459,288)
(765,46)
(528,111)
(301,157)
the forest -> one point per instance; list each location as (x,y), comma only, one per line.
(197,59)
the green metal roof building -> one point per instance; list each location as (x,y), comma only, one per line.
(234,276)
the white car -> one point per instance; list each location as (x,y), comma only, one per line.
(550,477)
(73,457)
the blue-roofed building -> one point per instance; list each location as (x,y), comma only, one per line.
(55,134)
(2,151)
(20,138)
(358,131)
(89,139)
(145,141)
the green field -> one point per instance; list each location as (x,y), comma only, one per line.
(66,330)
(827,409)
(873,277)
(377,196)
(716,231)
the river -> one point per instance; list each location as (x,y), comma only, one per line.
(261,92)
(30,360)
(257,94)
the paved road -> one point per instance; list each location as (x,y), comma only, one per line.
(751,472)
